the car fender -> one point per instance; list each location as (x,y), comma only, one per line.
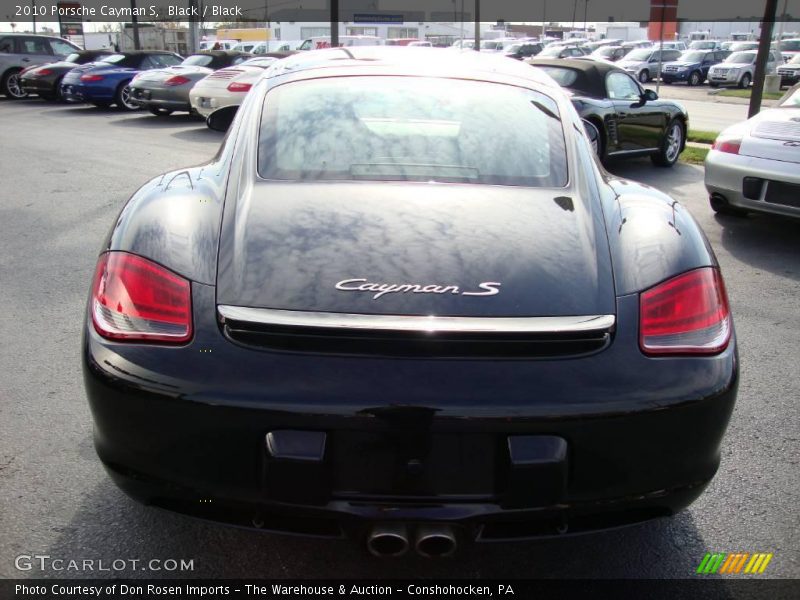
(652,237)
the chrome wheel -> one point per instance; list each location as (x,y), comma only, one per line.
(13,86)
(674,140)
(125,99)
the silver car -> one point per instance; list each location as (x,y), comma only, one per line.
(755,165)
(18,51)
(739,69)
(644,63)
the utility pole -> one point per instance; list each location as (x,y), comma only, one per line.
(194,25)
(585,11)
(135,24)
(544,21)
(477,47)
(770,8)
(334,23)
(33,4)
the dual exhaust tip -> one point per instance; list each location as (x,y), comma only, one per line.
(430,541)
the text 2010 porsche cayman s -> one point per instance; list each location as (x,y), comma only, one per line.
(405,302)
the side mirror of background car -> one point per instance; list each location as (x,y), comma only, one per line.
(592,134)
(221,119)
(649,96)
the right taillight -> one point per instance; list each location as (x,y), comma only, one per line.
(135,299)
(731,145)
(90,77)
(688,314)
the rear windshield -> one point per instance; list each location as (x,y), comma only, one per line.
(741,57)
(198,60)
(643,54)
(411,129)
(693,56)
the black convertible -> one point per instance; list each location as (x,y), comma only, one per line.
(45,80)
(630,120)
(411,308)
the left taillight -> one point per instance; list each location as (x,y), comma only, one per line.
(177,80)
(135,299)
(688,314)
(239,87)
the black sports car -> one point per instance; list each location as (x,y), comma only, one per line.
(631,120)
(45,80)
(412,309)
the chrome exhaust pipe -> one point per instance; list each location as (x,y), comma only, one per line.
(435,541)
(388,539)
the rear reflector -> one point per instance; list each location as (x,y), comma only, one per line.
(135,299)
(239,87)
(688,314)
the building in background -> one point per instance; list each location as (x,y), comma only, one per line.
(154,37)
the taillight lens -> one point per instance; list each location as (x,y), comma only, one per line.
(136,299)
(43,72)
(729,145)
(239,87)
(688,314)
(177,80)
(91,77)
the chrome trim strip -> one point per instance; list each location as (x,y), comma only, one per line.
(431,324)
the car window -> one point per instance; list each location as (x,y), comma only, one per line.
(60,47)
(791,99)
(6,45)
(564,77)
(383,128)
(198,60)
(168,60)
(621,87)
(32,45)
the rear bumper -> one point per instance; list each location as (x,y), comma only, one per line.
(725,173)
(406,439)
(170,98)
(37,85)
(78,92)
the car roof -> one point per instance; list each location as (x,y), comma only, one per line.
(404,60)
(591,74)
(220,53)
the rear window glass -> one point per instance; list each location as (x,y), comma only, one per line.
(198,60)
(563,76)
(411,129)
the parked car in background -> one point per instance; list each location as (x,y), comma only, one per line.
(523,50)
(592,46)
(790,71)
(422,44)
(45,80)
(401,41)
(739,68)
(275,46)
(464,44)
(163,91)
(610,53)
(637,44)
(692,66)
(107,82)
(755,165)
(789,48)
(345,41)
(245,47)
(229,86)
(631,121)
(561,51)
(742,46)
(705,45)
(19,51)
(644,63)
(671,46)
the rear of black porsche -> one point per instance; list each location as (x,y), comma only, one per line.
(315,387)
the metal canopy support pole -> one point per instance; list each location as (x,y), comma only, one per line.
(334,23)
(770,8)
(477,25)
(194,27)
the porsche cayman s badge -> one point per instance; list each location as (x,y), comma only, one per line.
(487,288)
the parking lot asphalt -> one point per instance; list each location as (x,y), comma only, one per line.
(66,172)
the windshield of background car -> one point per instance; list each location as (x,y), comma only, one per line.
(384,128)
(693,57)
(259,62)
(741,46)
(551,51)
(790,45)
(112,58)
(741,57)
(605,51)
(642,54)
(73,58)
(198,60)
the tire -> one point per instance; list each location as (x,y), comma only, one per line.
(122,98)
(695,78)
(744,82)
(671,145)
(721,207)
(57,96)
(644,76)
(11,86)
(159,112)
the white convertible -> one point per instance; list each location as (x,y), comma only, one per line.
(227,86)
